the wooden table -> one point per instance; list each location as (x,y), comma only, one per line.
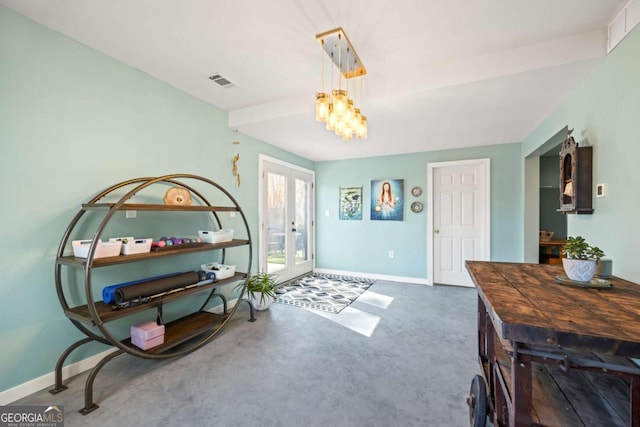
(553,354)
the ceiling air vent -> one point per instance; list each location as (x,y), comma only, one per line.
(623,23)
(221,81)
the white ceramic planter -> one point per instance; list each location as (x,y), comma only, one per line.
(260,306)
(581,270)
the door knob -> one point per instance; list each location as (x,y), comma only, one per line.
(437,231)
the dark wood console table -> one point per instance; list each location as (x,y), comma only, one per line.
(550,251)
(552,354)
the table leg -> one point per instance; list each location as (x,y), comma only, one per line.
(496,386)
(482,331)
(635,401)
(520,411)
(500,395)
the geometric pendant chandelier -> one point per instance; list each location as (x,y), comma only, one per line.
(340,107)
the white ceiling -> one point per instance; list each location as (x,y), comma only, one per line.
(441,74)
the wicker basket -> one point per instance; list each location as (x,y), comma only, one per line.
(545,236)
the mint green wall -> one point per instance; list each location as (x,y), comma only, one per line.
(363,246)
(604,110)
(72,122)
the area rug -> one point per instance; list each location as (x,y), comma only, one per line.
(326,292)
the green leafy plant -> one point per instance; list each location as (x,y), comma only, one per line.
(578,248)
(263,284)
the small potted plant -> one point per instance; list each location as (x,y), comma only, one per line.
(581,259)
(261,290)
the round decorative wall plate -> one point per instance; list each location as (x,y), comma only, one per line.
(416,191)
(416,207)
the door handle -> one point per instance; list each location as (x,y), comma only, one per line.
(293,229)
(437,231)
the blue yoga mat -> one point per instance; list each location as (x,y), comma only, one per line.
(108,292)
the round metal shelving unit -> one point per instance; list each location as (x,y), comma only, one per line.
(192,331)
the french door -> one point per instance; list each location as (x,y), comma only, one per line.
(286,219)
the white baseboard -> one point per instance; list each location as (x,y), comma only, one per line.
(218,308)
(49,379)
(415,280)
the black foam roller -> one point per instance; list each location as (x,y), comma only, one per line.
(153,287)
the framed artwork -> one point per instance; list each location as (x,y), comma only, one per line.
(387,200)
(351,203)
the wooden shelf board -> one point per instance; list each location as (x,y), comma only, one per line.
(121,259)
(107,314)
(152,207)
(184,329)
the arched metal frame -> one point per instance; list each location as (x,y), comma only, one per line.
(105,336)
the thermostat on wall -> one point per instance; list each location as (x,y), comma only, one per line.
(601,190)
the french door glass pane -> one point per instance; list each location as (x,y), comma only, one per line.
(301,225)
(276,222)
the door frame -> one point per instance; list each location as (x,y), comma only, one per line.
(262,240)
(486,163)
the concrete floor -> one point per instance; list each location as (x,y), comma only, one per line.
(401,355)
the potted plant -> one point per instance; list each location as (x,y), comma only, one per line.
(261,290)
(581,259)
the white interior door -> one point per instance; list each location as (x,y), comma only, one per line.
(459,227)
(286,233)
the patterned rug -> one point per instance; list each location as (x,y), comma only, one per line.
(326,292)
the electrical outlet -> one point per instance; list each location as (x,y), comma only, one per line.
(131,214)
(326,213)
(392,254)
(232,214)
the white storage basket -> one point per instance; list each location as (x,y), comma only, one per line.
(104,249)
(220,270)
(132,246)
(224,235)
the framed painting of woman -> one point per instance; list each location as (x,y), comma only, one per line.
(387,199)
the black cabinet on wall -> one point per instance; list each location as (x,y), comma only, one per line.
(576,177)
